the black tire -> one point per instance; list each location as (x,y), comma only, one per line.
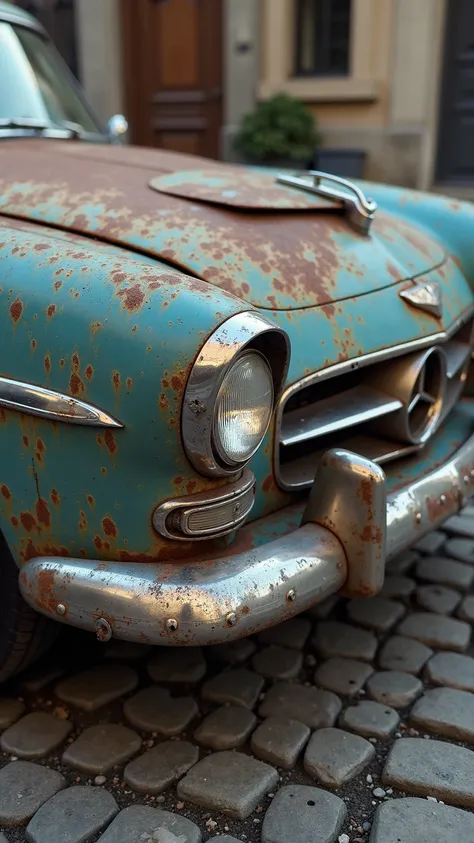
(24,634)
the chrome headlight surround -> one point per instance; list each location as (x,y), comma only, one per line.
(241,333)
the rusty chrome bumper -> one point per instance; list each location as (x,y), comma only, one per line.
(349,529)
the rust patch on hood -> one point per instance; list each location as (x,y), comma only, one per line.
(270,245)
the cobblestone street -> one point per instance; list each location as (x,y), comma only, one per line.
(351,723)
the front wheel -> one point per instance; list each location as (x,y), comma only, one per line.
(24,634)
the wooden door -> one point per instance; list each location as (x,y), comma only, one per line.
(173,73)
(456,133)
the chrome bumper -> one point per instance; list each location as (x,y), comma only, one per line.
(350,528)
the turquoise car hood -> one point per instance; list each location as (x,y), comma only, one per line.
(267,244)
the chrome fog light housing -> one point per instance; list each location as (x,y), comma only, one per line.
(231,393)
(244,407)
(207,515)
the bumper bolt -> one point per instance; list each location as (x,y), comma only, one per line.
(291,595)
(171,624)
(60,609)
(231,619)
(103,630)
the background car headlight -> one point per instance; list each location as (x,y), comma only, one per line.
(243,408)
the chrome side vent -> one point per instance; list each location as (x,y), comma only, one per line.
(382,411)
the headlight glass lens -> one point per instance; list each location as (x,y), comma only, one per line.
(244,407)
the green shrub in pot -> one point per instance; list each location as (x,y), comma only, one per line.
(279,132)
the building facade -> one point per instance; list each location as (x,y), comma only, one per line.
(394,78)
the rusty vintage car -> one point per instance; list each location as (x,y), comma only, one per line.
(225,394)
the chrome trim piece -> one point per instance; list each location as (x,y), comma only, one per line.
(354,406)
(420,507)
(300,473)
(452,393)
(360,209)
(419,381)
(203,602)
(377,356)
(349,498)
(457,355)
(197,602)
(35,400)
(244,331)
(179,509)
(425,296)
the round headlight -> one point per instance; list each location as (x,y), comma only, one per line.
(243,408)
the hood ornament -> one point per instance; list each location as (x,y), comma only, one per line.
(425,296)
(360,208)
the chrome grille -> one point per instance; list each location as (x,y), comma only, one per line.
(383,406)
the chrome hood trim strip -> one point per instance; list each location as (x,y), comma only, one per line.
(49,404)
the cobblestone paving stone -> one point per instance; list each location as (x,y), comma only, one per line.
(228,781)
(370,718)
(394,688)
(99,748)
(379,613)
(293,633)
(295,812)
(241,687)
(437,598)
(345,724)
(311,706)
(446,711)
(96,687)
(279,741)
(431,543)
(227,727)
(25,787)
(462,549)
(414,819)
(35,735)
(340,639)
(398,587)
(74,814)
(275,662)
(343,676)
(466,609)
(399,653)
(451,669)
(444,633)
(158,768)
(142,824)
(436,569)
(431,768)
(333,757)
(155,710)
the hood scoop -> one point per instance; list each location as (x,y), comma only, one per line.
(242,189)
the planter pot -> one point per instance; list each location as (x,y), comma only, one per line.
(347,163)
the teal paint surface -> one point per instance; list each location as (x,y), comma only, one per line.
(122,330)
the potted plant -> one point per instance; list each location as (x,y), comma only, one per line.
(280,132)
